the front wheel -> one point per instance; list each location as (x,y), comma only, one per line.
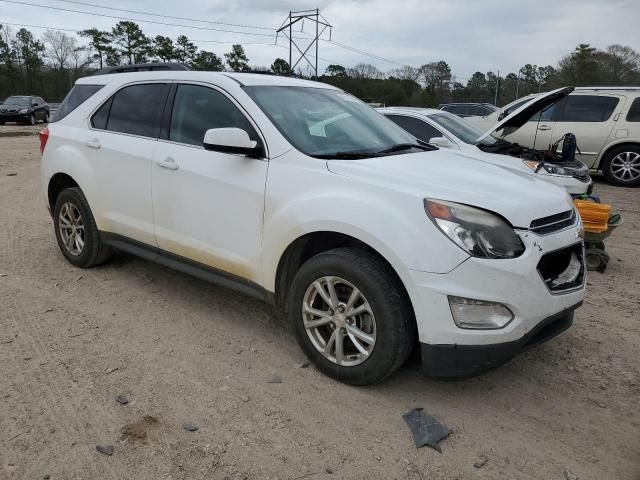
(32,119)
(351,316)
(621,166)
(45,119)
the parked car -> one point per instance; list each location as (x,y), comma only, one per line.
(469,109)
(449,131)
(24,109)
(369,241)
(605,120)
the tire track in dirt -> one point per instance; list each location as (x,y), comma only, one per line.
(61,393)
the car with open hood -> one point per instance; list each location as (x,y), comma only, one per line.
(450,131)
(605,121)
(367,240)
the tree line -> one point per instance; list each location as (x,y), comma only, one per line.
(48,66)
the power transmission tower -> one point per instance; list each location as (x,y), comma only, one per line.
(286,29)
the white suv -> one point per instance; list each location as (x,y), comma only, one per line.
(605,120)
(368,240)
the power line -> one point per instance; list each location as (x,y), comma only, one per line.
(196,27)
(116,17)
(87,4)
(77,30)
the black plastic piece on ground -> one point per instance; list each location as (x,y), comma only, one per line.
(448,362)
(426,430)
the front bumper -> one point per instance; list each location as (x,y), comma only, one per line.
(516,283)
(573,185)
(460,361)
(14,117)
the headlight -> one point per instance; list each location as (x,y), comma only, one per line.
(547,167)
(24,110)
(478,232)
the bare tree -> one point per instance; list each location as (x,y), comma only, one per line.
(60,47)
(365,70)
(406,72)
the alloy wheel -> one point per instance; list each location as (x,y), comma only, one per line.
(626,166)
(71,226)
(339,321)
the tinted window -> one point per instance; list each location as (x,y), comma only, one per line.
(76,97)
(478,111)
(417,128)
(456,109)
(197,109)
(587,108)
(546,115)
(514,107)
(634,111)
(137,109)
(99,119)
(20,101)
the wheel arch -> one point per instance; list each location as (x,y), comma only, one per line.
(614,146)
(306,246)
(57,183)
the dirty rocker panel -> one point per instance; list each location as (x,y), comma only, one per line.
(185,265)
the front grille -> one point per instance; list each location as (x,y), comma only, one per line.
(563,269)
(553,223)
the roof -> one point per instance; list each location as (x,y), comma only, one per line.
(628,88)
(487,104)
(243,79)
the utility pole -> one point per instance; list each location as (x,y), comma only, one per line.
(287,30)
(518,86)
(495,101)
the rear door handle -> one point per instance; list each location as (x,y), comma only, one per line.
(168,163)
(95,143)
(544,127)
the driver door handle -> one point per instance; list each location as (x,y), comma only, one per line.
(544,127)
(95,143)
(169,163)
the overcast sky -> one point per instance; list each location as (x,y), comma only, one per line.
(470,35)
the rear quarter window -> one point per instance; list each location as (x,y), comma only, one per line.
(634,111)
(587,108)
(76,97)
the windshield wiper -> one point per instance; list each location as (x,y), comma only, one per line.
(351,155)
(407,146)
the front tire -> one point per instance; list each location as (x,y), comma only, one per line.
(621,166)
(351,316)
(45,119)
(32,119)
(76,231)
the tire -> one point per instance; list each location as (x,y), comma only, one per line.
(621,166)
(32,119)
(45,119)
(1,123)
(387,316)
(93,251)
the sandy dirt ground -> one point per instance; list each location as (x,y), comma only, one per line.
(184,351)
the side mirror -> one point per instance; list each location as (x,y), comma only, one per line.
(35,104)
(230,140)
(502,115)
(440,142)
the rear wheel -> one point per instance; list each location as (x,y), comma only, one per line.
(76,231)
(351,316)
(621,166)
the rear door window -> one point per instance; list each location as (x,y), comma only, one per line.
(587,108)
(76,97)
(634,111)
(416,127)
(134,110)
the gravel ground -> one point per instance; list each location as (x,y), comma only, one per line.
(182,351)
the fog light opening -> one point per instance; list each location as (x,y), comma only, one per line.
(479,314)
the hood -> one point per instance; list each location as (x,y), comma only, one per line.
(521,115)
(516,195)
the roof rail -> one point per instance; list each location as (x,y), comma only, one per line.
(604,87)
(142,67)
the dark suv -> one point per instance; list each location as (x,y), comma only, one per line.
(25,109)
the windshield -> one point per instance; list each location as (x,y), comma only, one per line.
(22,101)
(462,129)
(324,123)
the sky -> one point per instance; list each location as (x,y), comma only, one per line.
(470,35)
